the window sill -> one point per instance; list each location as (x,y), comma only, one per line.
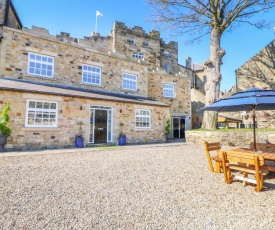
(139,129)
(33,129)
(91,84)
(41,77)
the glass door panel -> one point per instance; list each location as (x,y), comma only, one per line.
(100,126)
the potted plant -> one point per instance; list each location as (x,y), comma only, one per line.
(122,136)
(5,131)
(168,127)
(79,139)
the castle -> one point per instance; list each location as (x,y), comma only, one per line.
(54,82)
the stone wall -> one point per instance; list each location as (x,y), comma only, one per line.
(2,11)
(237,138)
(180,105)
(259,72)
(197,100)
(69,113)
(68,61)
(12,18)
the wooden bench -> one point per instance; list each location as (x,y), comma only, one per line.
(216,146)
(244,163)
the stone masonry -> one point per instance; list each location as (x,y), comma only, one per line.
(114,55)
(259,72)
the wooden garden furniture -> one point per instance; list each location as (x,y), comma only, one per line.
(268,157)
(245,163)
(263,147)
(209,147)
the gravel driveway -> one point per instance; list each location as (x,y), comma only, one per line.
(157,187)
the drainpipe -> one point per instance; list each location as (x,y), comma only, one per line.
(236,74)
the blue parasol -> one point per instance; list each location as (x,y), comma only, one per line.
(248,100)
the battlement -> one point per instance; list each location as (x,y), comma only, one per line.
(86,42)
(136,30)
(171,44)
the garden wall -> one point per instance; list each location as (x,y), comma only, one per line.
(237,138)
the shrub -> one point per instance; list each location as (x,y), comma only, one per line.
(4,129)
(168,125)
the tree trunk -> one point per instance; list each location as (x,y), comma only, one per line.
(213,76)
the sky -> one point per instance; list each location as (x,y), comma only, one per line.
(78,18)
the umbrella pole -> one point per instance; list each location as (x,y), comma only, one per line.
(254,127)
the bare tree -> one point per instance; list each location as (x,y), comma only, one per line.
(202,17)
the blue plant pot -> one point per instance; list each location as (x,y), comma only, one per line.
(79,142)
(122,140)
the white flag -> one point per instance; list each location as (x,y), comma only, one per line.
(99,14)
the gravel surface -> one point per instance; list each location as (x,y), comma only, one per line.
(157,187)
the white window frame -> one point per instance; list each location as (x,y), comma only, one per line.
(166,67)
(146,117)
(129,80)
(40,65)
(166,53)
(145,44)
(130,40)
(35,110)
(167,89)
(139,55)
(91,74)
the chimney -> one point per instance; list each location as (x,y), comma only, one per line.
(188,62)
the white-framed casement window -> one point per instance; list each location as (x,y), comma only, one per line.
(145,43)
(138,55)
(91,74)
(168,90)
(143,119)
(130,40)
(129,81)
(41,113)
(40,65)
(166,67)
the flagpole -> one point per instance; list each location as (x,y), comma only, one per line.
(95,22)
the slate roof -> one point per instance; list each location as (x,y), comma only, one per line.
(55,89)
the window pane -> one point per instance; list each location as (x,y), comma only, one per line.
(31,104)
(39,105)
(53,105)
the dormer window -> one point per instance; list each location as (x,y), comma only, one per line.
(166,53)
(145,43)
(138,55)
(130,40)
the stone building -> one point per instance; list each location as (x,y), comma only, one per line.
(198,94)
(198,81)
(259,72)
(53,82)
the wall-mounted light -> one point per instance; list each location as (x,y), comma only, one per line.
(120,110)
(80,107)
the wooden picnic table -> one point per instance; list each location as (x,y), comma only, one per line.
(266,155)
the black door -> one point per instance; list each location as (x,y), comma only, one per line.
(100,126)
(178,127)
